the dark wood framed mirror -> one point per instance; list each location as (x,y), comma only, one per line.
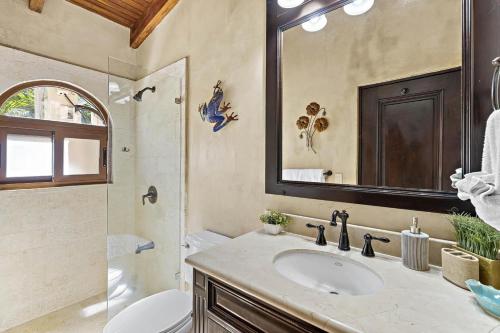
(404,133)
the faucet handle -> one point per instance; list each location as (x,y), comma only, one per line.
(310,225)
(152,195)
(320,240)
(147,195)
(367,248)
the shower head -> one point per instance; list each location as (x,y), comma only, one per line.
(138,96)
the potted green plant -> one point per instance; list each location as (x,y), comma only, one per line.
(274,222)
(482,241)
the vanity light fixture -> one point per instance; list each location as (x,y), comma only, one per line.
(315,24)
(290,3)
(358,7)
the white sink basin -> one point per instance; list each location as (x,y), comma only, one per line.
(328,272)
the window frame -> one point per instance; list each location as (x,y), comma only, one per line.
(58,131)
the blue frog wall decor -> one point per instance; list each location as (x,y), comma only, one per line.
(214,113)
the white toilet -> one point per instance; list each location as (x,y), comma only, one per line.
(168,311)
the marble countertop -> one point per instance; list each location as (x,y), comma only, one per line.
(409,302)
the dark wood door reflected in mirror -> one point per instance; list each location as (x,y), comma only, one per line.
(417,118)
(369,101)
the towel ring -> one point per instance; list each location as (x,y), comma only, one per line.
(495,85)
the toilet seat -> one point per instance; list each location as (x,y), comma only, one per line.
(165,312)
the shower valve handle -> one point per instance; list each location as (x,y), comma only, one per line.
(152,196)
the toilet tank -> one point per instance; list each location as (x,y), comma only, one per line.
(197,242)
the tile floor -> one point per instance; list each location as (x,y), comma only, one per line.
(89,316)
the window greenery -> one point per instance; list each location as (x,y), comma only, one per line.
(21,104)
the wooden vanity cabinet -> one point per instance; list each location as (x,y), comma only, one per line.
(219,308)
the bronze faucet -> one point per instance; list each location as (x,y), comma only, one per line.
(344,236)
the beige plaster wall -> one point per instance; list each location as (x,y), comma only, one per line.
(225,39)
(65,32)
(389,42)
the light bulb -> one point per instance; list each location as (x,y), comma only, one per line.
(315,24)
(358,7)
(290,3)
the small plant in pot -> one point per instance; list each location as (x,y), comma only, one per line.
(274,222)
(482,241)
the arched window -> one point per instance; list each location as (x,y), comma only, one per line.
(51,134)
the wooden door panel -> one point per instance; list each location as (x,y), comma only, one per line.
(410,132)
(407,154)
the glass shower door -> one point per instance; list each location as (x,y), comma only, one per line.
(143,235)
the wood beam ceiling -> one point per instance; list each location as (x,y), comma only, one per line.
(148,22)
(140,16)
(36,5)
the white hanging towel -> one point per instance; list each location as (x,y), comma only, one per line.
(304,175)
(483,188)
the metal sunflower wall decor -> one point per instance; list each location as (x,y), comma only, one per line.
(310,124)
(214,113)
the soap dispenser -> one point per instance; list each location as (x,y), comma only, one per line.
(415,248)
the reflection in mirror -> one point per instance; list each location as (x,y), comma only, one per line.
(388,83)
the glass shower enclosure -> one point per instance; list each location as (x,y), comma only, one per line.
(145,197)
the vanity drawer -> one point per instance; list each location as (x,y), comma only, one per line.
(238,312)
